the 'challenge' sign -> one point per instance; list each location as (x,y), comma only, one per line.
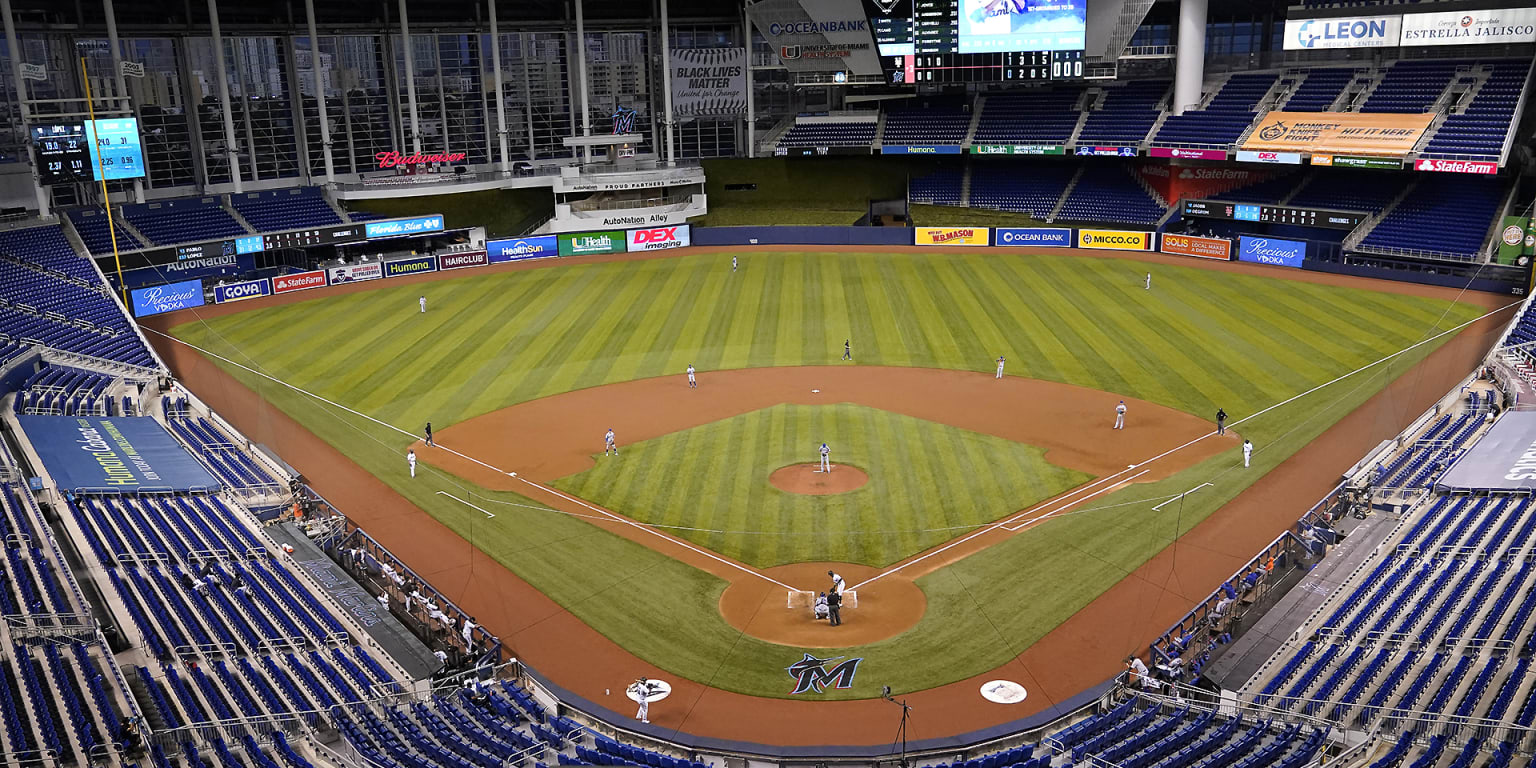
(1268,250)
(167,298)
(1040,238)
(1114,239)
(415,265)
(587,243)
(250,289)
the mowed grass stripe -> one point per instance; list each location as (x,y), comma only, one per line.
(984,340)
(1279,370)
(1031,349)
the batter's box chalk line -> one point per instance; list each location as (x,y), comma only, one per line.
(805,600)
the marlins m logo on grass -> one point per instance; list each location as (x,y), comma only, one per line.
(811,674)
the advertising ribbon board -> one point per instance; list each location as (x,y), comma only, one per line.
(521,248)
(587,243)
(1378,134)
(1018,149)
(167,298)
(1350,161)
(415,265)
(301,281)
(248,289)
(462,260)
(920,149)
(1107,151)
(355,273)
(1342,32)
(1499,25)
(709,82)
(1201,247)
(1455,166)
(1188,154)
(1268,250)
(1038,238)
(1115,239)
(1285,158)
(952,235)
(658,238)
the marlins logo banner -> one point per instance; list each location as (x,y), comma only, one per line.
(812,675)
(1343,133)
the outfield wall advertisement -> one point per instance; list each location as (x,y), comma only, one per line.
(248,289)
(114,454)
(415,265)
(952,236)
(1272,251)
(462,260)
(1115,239)
(403,227)
(521,248)
(1201,247)
(658,238)
(301,281)
(1036,237)
(588,243)
(355,273)
(167,298)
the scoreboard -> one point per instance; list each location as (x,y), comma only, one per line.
(1272,214)
(978,41)
(67,153)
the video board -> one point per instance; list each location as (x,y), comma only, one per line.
(968,41)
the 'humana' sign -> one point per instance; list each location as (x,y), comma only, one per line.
(392,159)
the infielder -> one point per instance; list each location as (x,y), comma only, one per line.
(610,445)
(826,459)
(1000,362)
(423,302)
(847,349)
(693,383)
(1247,452)
(410,458)
(1120,415)
(642,693)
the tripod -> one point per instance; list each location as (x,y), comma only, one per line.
(901,730)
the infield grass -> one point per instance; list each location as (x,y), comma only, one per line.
(1200,339)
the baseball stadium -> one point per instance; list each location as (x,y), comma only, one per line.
(767,384)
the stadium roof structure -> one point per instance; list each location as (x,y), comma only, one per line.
(193,14)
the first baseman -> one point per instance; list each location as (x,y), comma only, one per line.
(610,445)
(410,458)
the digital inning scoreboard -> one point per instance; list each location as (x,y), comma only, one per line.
(1272,214)
(973,41)
(67,153)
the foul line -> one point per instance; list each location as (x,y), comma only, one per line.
(605,513)
(465,503)
(1171,451)
(1181,496)
(1012,526)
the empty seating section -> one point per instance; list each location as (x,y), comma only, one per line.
(224,457)
(182,221)
(1032,188)
(1320,89)
(1410,86)
(1349,190)
(1110,192)
(45,298)
(829,134)
(285,209)
(1126,114)
(67,391)
(91,225)
(1271,190)
(1446,217)
(1224,119)
(942,187)
(926,125)
(1480,129)
(1030,117)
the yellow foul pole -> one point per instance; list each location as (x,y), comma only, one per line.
(106,200)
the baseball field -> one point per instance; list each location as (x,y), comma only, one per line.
(682,551)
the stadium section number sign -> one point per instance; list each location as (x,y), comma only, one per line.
(951,236)
(1114,239)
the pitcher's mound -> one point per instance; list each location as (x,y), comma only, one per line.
(804,478)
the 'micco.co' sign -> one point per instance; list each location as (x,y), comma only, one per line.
(392,159)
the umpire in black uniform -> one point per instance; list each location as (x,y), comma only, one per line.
(834,607)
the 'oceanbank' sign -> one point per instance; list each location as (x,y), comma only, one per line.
(1268,250)
(1342,32)
(403,227)
(167,298)
(1039,238)
(522,248)
(249,289)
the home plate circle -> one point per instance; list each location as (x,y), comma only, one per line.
(1003,692)
(656,690)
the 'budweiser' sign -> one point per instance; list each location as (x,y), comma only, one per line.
(394,159)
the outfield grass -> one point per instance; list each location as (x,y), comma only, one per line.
(1200,339)
(928,484)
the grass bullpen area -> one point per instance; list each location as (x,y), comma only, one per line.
(1201,339)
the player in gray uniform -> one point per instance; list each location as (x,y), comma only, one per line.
(610,445)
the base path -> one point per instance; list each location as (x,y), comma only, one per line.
(808,479)
(1077,655)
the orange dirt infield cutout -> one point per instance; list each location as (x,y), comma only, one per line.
(808,479)
(886,609)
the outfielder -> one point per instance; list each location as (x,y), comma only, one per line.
(826,459)
(609,444)
(693,383)
(1000,362)
(733,263)
(1120,415)
(1149,281)
(847,349)
(1247,452)
(410,458)
(423,302)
